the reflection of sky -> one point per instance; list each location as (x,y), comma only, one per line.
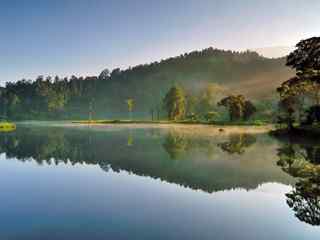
(82,202)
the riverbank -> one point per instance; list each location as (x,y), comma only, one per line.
(188,122)
(186,127)
(194,128)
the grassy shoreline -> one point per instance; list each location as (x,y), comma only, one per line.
(195,128)
(186,122)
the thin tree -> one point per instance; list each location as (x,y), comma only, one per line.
(130,104)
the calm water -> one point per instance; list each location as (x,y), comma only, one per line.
(88,183)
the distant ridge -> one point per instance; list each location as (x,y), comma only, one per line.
(246,73)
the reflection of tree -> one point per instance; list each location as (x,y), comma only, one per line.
(109,151)
(305,200)
(297,160)
(313,154)
(175,145)
(300,161)
(237,143)
(54,147)
(154,133)
(130,139)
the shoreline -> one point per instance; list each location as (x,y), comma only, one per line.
(194,128)
(301,132)
(191,128)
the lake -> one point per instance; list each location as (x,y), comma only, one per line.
(122,183)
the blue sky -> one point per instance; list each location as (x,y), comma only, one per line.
(82,37)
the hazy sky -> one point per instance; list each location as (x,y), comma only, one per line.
(83,37)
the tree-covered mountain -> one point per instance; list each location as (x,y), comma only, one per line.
(105,95)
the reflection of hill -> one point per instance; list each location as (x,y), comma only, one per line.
(194,162)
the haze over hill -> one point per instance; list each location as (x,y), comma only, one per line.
(245,73)
(275,51)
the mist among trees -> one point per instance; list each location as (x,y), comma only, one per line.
(105,96)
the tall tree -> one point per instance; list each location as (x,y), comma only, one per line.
(130,104)
(239,108)
(175,103)
(235,106)
(249,110)
(305,60)
(104,75)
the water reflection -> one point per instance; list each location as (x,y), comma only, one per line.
(301,160)
(237,143)
(305,200)
(202,161)
(178,144)
(97,192)
(175,145)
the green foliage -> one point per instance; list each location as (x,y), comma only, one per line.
(175,103)
(210,116)
(198,72)
(192,117)
(313,115)
(306,56)
(175,145)
(259,123)
(235,105)
(287,105)
(192,103)
(239,108)
(208,97)
(130,103)
(301,160)
(302,91)
(248,110)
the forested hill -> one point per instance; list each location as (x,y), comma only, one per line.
(247,73)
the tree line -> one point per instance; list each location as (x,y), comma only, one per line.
(105,96)
(182,106)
